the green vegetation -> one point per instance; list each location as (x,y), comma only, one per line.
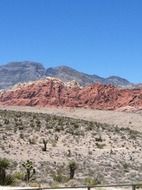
(72,168)
(60,178)
(91,181)
(5,179)
(30,171)
(18,175)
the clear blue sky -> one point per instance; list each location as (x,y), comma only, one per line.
(101,37)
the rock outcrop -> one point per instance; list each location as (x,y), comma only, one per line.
(54,92)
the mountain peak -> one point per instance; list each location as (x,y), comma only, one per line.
(117,80)
(22,63)
(24,71)
(67,73)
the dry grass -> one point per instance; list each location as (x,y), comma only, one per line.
(121,119)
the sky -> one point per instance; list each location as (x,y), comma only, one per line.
(102,37)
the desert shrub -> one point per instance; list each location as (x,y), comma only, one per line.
(4,178)
(99,139)
(133,136)
(6,121)
(59,128)
(32,125)
(32,140)
(76,125)
(60,178)
(125,166)
(21,135)
(9,180)
(38,123)
(78,133)
(91,181)
(74,131)
(90,127)
(90,152)
(101,146)
(18,175)
(20,127)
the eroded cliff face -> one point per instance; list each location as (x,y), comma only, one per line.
(54,92)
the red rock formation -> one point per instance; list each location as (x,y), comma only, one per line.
(53,92)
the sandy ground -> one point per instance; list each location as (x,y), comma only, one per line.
(121,119)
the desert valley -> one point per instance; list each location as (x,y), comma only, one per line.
(71,134)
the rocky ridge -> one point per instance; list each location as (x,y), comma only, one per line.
(67,74)
(25,71)
(54,92)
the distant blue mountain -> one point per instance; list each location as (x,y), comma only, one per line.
(67,74)
(18,72)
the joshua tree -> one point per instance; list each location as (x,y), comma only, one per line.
(30,171)
(45,145)
(72,168)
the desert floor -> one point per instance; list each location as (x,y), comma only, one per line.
(119,118)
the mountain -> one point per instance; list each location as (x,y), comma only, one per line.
(66,74)
(117,81)
(16,72)
(19,72)
(54,92)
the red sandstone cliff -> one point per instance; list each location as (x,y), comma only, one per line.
(53,92)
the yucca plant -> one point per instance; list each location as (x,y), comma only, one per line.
(4,178)
(30,171)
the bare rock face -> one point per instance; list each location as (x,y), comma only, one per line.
(15,72)
(54,92)
(68,74)
(25,71)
